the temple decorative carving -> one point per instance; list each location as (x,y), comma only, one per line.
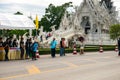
(91,20)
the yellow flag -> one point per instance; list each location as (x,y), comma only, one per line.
(37,22)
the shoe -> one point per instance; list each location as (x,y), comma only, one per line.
(6,60)
(35,59)
(53,56)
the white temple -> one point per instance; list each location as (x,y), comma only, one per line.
(91,20)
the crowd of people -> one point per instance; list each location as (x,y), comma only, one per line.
(25,47)
(29,47)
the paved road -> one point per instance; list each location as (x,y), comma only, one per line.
(91,66)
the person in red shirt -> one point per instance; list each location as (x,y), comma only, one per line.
(62,47)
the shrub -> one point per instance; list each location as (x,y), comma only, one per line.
(88,48)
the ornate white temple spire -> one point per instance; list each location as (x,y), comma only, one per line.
(76,23)
(65,22)
(96,2)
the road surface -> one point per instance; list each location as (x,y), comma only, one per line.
(90,66)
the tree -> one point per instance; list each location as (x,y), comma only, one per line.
(17,32)
(53,15)
(115,31)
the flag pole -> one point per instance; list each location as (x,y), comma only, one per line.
(36,32)
(37,24)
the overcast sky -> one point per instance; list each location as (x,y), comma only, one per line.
(33,7)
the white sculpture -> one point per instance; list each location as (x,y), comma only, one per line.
(53,29)
(65,22)
(41,31)
(14,36)
(25,35)
(81,22)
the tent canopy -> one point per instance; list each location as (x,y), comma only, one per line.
(15,22)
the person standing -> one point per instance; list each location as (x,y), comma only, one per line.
(119,47)
(1,48)
(22,48)
(82,48)
(30,44)
(1,42)
(34,47)
(15,43)
(10,42)
(81,39)
(62,47)
(53,47)
(27,48)
(6,48)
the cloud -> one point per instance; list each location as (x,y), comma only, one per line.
(33,7)
(41,2)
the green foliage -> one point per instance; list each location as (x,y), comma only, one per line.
(53,15)
(1,32)
(88,48)
(9,33)
(17,32)
(115,31)
(34,32)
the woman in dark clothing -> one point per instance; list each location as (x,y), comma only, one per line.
(1,42)
(22,48)
(1,47)
(15,44)
(27,47)
(6,48)
(30,44)
(119,47)
(34,49)
(10,42)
